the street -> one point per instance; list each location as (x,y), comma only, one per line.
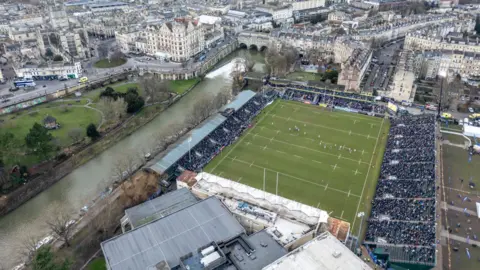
(48,87)
(381,68)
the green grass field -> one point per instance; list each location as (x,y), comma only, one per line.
(104,63)
(300,75)
(331,163)
(121,87)
(180,86)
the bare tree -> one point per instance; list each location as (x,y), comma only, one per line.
(119,108)
(249,62)
(105,223)
(102,50)
(156,90)
(117,55)
(60,222)
(76,134)
(28,245)
(105,106)
(124,167)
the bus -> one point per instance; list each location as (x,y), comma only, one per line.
(24,83)
(83,80)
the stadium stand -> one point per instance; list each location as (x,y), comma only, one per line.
(402,221)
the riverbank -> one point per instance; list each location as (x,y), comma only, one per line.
(35,186)
(89,180)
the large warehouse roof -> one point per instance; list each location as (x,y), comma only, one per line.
(159,207)
(324,252)
(171,237)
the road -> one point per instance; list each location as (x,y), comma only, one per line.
(48,87)
(381,68)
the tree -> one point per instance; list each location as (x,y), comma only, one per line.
(76,134)
(48,53)
(60,223)
(57,58)
(44,259)
(113,109)
(133,100)
(372,12)
(39,140)
(92,132)
(117,55)
(8,148)
(53,39)
(125,166)
(119,108)
(102,50)
(155,90)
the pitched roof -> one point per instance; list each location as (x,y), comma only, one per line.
(49,119)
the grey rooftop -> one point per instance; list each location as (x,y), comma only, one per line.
(171,237)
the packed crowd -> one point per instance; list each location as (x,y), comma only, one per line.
(325,91)
(410,155)
(316,95)
(225,134)
(405,189)
(403,233)
(403,210)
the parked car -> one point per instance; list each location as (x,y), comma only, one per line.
(470,109)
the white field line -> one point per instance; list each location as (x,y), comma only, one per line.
(243,137)
(294,177)
(307,148)
(349,115)
(366,177)
(322,126)
(320,142)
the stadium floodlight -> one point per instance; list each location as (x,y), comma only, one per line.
(442,74)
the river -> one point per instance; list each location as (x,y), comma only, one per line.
(86,182)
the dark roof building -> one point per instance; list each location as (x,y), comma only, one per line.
(204,235)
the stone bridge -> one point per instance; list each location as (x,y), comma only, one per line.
(254,40)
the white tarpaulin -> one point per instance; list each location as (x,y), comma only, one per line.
(478,209)
(471,131)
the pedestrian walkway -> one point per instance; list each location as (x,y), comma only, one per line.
(444,206)
(459,238)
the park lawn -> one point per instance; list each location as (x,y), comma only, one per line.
(74,117)
(122,87)
(309,164)
(97,264)
(180,86)
(104,63)
(304,76)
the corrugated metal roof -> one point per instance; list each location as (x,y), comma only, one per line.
(160,207)
(196,136)
(242,98)
(173,236)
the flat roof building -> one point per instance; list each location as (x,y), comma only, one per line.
(325,252)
